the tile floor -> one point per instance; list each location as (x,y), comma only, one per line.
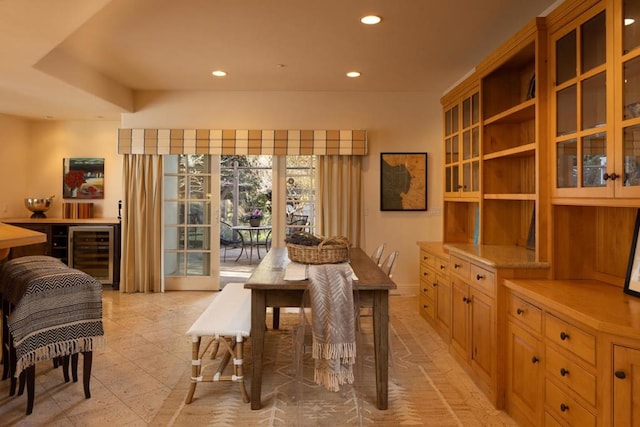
(147,354)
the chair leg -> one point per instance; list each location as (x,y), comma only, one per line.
(64,362)
(30,374)
(74,367)
(87,359)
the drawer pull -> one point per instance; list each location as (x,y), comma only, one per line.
(620,375)
(442,267)
(465,299)
(424,258)
(534,359)
(520,311)
(425,274)
(434,284)
(564,336)
(564,372)
(457,266)
(563,407)
(425,306)
(479,277)
(425,289)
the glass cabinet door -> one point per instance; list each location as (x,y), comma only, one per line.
(581,119)
(629,157)
(452,150)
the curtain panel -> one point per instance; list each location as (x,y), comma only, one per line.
(339,197)
(141,262)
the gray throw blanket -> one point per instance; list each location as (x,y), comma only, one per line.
(333,324)
(58,310)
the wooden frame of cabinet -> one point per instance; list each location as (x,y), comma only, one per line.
(435,288)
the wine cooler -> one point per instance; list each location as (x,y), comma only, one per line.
(91,249)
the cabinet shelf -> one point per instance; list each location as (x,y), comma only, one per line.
(510,196)
(521,150)
(519,113)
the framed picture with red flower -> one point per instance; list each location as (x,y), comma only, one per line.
(83,178)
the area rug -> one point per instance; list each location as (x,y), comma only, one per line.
(426,387)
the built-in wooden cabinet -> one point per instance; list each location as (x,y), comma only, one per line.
(435,288)
(585,342)
(559,189)
(626,382)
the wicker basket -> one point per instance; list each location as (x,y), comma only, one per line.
(330,251)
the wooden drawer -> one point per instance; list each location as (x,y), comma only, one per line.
(525,313)
(428,288)
(427,306)
(571,338)
(460,266)
(565,408)
(441,266)
(427,275)
(427,259)
(572,375)
(482,279)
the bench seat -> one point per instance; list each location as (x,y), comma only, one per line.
(228,316)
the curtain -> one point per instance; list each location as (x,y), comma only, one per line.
(141,262)
(339,197)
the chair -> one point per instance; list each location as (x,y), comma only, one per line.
(297,223)
(230,239)
(389,261)
(375,257)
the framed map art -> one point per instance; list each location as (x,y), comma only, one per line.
(403,181)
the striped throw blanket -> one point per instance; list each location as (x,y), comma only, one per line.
(57,310)
(333,324)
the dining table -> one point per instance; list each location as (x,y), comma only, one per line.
(12,236)
(253,232)
(270,289)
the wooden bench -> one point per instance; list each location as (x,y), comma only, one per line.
(227,317)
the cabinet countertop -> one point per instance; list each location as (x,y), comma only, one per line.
(601,306)
(497,256)
(60,220)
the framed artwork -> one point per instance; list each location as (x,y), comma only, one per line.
(83,178)
(403,181)
(632,282)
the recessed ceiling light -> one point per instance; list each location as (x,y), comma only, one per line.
(370,19)
(629,21)
(353,74)
(219,73)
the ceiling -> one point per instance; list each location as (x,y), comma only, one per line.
(83,59)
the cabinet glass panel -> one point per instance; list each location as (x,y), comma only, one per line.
(594,101)
(455,126)
(447,123)
(475,108)
(567,117)
(466,113)
(566,62)
(632,156)
(594,160)
(475,142)
(466,177)
(466,145)
(593,43)
(631,88)
(567,167)
(475,176)
(447,150)
(631,21)
(455,149)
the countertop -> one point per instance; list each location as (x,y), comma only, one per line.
(497,256)
(27,220)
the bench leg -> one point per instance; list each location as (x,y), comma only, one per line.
(239,371)
(195,368)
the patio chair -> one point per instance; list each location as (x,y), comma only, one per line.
(230,239)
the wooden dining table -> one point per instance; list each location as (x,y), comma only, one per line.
(269,289)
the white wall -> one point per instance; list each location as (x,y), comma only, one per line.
(395,122)
(31,152)
(34,158)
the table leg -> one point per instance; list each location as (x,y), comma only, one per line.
(381,346)
(258,317)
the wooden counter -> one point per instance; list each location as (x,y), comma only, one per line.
(11,236)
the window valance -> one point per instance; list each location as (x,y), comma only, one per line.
(242,142)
